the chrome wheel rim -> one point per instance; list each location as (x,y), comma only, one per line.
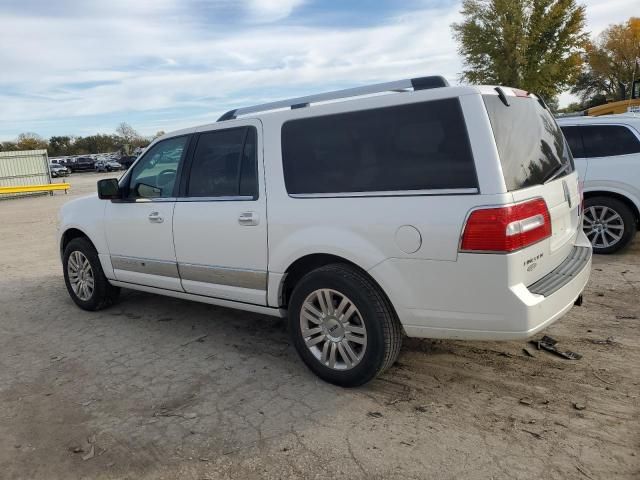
(80,275)
(603,226)
(333,330)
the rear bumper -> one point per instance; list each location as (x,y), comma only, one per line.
(474,307)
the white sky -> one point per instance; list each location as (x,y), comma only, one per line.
(72,67)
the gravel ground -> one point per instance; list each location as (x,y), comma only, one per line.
(161,388)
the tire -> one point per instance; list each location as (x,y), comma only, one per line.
(368,352)
(604,234)
(103,294)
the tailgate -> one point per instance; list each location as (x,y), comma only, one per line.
(562,197)
(536,163)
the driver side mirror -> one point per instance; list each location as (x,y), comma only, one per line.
(108,189)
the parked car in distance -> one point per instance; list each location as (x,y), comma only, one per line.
(58,170)
(428,210)
(107,166)
(82,164)
(606,150)
(127,160)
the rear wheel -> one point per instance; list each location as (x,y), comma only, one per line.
(83,275)
(608,223)
(342,325)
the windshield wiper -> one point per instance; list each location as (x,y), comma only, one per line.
(555,173)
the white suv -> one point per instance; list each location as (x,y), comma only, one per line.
(406,207)
(607,154)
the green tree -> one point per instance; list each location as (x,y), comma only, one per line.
(8,146)
(30,141)
(60,145)
(535,45)
(99,143)
(612,62)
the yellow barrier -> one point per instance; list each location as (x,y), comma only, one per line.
(36,188)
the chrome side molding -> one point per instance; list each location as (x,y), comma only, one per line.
(144,265)
(233,277)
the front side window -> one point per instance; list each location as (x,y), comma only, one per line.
(418,146)
(154,176)
(224,164)
(609,140)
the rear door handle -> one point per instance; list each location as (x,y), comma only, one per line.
(249,219)
(155,217)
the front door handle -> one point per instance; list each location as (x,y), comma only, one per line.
(155,217)
(249,219)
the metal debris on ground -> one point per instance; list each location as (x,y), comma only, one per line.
(535,434)
(526,401)
(549,344)
(606,341)
(199,339)
(528,352)
(91,454)
(375,414)
(579,406)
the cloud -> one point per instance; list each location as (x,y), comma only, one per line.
(84,66)
(265,11)
(117,64)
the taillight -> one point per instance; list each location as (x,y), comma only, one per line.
(508,228)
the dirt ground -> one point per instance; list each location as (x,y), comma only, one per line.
(161,388)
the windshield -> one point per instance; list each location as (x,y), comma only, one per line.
(531,146)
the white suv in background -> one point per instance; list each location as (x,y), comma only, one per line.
(406,207)
(606,150)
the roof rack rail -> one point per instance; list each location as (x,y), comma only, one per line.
(420,83)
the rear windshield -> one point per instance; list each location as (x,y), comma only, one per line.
(531,146)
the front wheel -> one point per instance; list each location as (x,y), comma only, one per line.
(83,275)
(343,326)
(608,223)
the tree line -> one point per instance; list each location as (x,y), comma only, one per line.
(541,46)
(124,140)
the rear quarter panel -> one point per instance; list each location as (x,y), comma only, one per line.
(364,230)
(619,175)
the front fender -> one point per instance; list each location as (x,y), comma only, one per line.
(86,215)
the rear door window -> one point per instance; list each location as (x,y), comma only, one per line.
(609,140)
(531,146)
(574,139)
(224,164)
(419,146)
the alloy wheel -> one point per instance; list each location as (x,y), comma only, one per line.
(81,275)
(332,329)
(603,226)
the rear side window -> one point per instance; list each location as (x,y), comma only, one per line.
(408,147)
(574,139)
(608,140)
(531,146)
(224,164)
